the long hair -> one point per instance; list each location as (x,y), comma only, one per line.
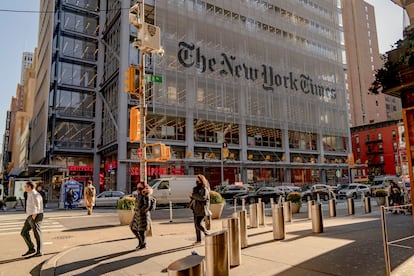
(203,180)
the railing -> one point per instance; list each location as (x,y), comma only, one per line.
(385,236)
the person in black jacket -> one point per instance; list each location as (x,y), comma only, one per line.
(141,222)
(200,204)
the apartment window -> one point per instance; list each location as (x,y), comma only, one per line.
(357,139)
(394,135)
(394,146)
(379,136)
(381,158)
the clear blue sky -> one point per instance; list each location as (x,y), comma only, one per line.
(19,34)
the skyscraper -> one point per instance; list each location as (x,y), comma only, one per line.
(363,58)
(27,59)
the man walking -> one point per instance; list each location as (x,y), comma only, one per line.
(34,211)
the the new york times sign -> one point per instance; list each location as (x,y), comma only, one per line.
(189,55)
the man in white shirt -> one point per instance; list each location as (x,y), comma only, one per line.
(34,210)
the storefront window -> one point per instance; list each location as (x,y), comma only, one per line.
(302,140)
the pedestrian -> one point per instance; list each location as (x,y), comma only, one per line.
(39,189)
(34,212)
(89,196)
(69,198)
(141,221)
(200,204)
(395,194)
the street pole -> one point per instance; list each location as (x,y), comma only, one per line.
(143,110)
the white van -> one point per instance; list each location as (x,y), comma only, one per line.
(173,188)
(383,182)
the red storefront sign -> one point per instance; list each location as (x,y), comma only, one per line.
(158,171)
(111,165)
(80,168)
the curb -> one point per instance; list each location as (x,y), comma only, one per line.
(49,266)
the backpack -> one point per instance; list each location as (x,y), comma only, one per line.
(152,204)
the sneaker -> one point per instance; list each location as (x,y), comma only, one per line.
(197,243)
(38,254)
(29,252)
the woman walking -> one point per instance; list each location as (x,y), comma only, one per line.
(142,219)
(200,204)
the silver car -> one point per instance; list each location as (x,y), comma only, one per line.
(107,199)
(354,190)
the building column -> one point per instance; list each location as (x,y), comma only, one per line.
(122,170)
(191,91)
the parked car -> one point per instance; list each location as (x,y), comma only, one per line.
(107,199)
(324,191)
(229,191)
(354,190)
(266,193)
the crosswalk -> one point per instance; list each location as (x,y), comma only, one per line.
(12,224)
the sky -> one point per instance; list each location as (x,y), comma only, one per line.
(19,34)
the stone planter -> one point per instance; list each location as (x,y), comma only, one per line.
(216,210)
(11,204)
(380,200)
(125,216)
(295,207)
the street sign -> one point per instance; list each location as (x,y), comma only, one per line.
(153,78)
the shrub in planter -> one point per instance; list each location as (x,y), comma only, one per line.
(216,198)
(296,201)
(217,203)
(125,207)
(10,199)
(126,203)
(381,193)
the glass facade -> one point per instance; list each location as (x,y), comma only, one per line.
(265,78)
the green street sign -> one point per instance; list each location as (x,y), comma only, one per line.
(153,78)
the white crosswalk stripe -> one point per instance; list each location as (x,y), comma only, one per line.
(13,225)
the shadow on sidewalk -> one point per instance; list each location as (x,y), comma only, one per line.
(114,265)
(364,255)
(91,228)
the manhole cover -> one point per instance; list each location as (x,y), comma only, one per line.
(62,237)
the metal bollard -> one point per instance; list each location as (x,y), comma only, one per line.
(171,212)
(190,265)
(243,204)
(367,203)
(253,215)
(317,224)
(233,226)
(243,229)
(351,207)
(261,213)
(207,220)
(272,201)
(217,254)
(310,203)
(332,207)
(278,222)
(287,213)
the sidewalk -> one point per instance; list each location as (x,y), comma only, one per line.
(349,245)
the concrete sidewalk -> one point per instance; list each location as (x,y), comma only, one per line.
(349,245)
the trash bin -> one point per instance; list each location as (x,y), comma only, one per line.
(233,226)
(243,228)
(351,207)
(278,222)
(317,224)
(310,203)
(217,253)
(191,265)
(253,215)
(332,207)
(287,213)
(367,203)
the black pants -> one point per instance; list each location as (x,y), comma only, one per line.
(141,237)
(198,227)
(33,224)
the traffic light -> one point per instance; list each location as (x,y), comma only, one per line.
(134,125)
(132,79)
(159,152)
